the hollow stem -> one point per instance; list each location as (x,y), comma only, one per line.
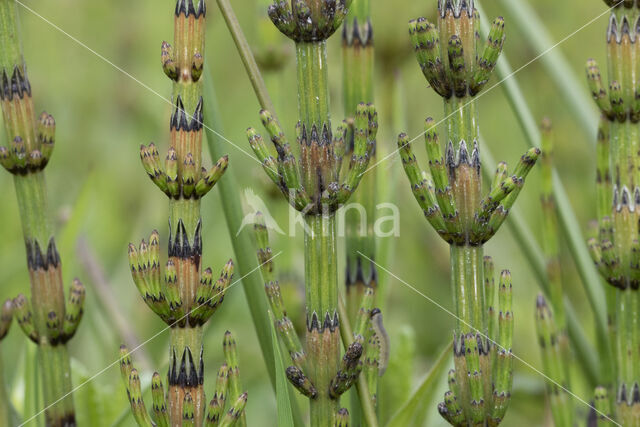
(321,289)
(358,56)
(45,269)
(313,88)
(468,288)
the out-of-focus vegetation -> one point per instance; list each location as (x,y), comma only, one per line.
(100,192)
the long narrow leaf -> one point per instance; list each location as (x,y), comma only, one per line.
(283,405)
(397,383)
(242,245)
(556,65)
(426,393)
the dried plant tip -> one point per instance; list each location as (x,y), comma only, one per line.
(300,381)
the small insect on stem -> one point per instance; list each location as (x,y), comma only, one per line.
(378,328)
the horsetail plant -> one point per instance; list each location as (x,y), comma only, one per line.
(45,318)
(550,319)
(361,276)
(314,186)
(357,55)
(351,364)
(189,296)
(615,247)
(450,197)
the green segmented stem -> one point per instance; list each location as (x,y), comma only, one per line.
(357,78)
(313,89)
(321,192)
(236,394)
(347,335)
(566,217)
(450,197)
(554,365)
(614,247)
(467,283)
(283,324)
(189,296)
(321,282)
(45,318)
(551,322)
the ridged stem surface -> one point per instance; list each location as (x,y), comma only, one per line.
(47,295)
(323,339)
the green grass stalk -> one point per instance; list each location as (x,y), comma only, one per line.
(554,363)
(45,319)
(558,69)
(551,321)
(357,55)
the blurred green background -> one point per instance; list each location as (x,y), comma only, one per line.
(99,193)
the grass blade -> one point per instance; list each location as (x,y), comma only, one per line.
(285,417)
(556,65)
(426,393)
